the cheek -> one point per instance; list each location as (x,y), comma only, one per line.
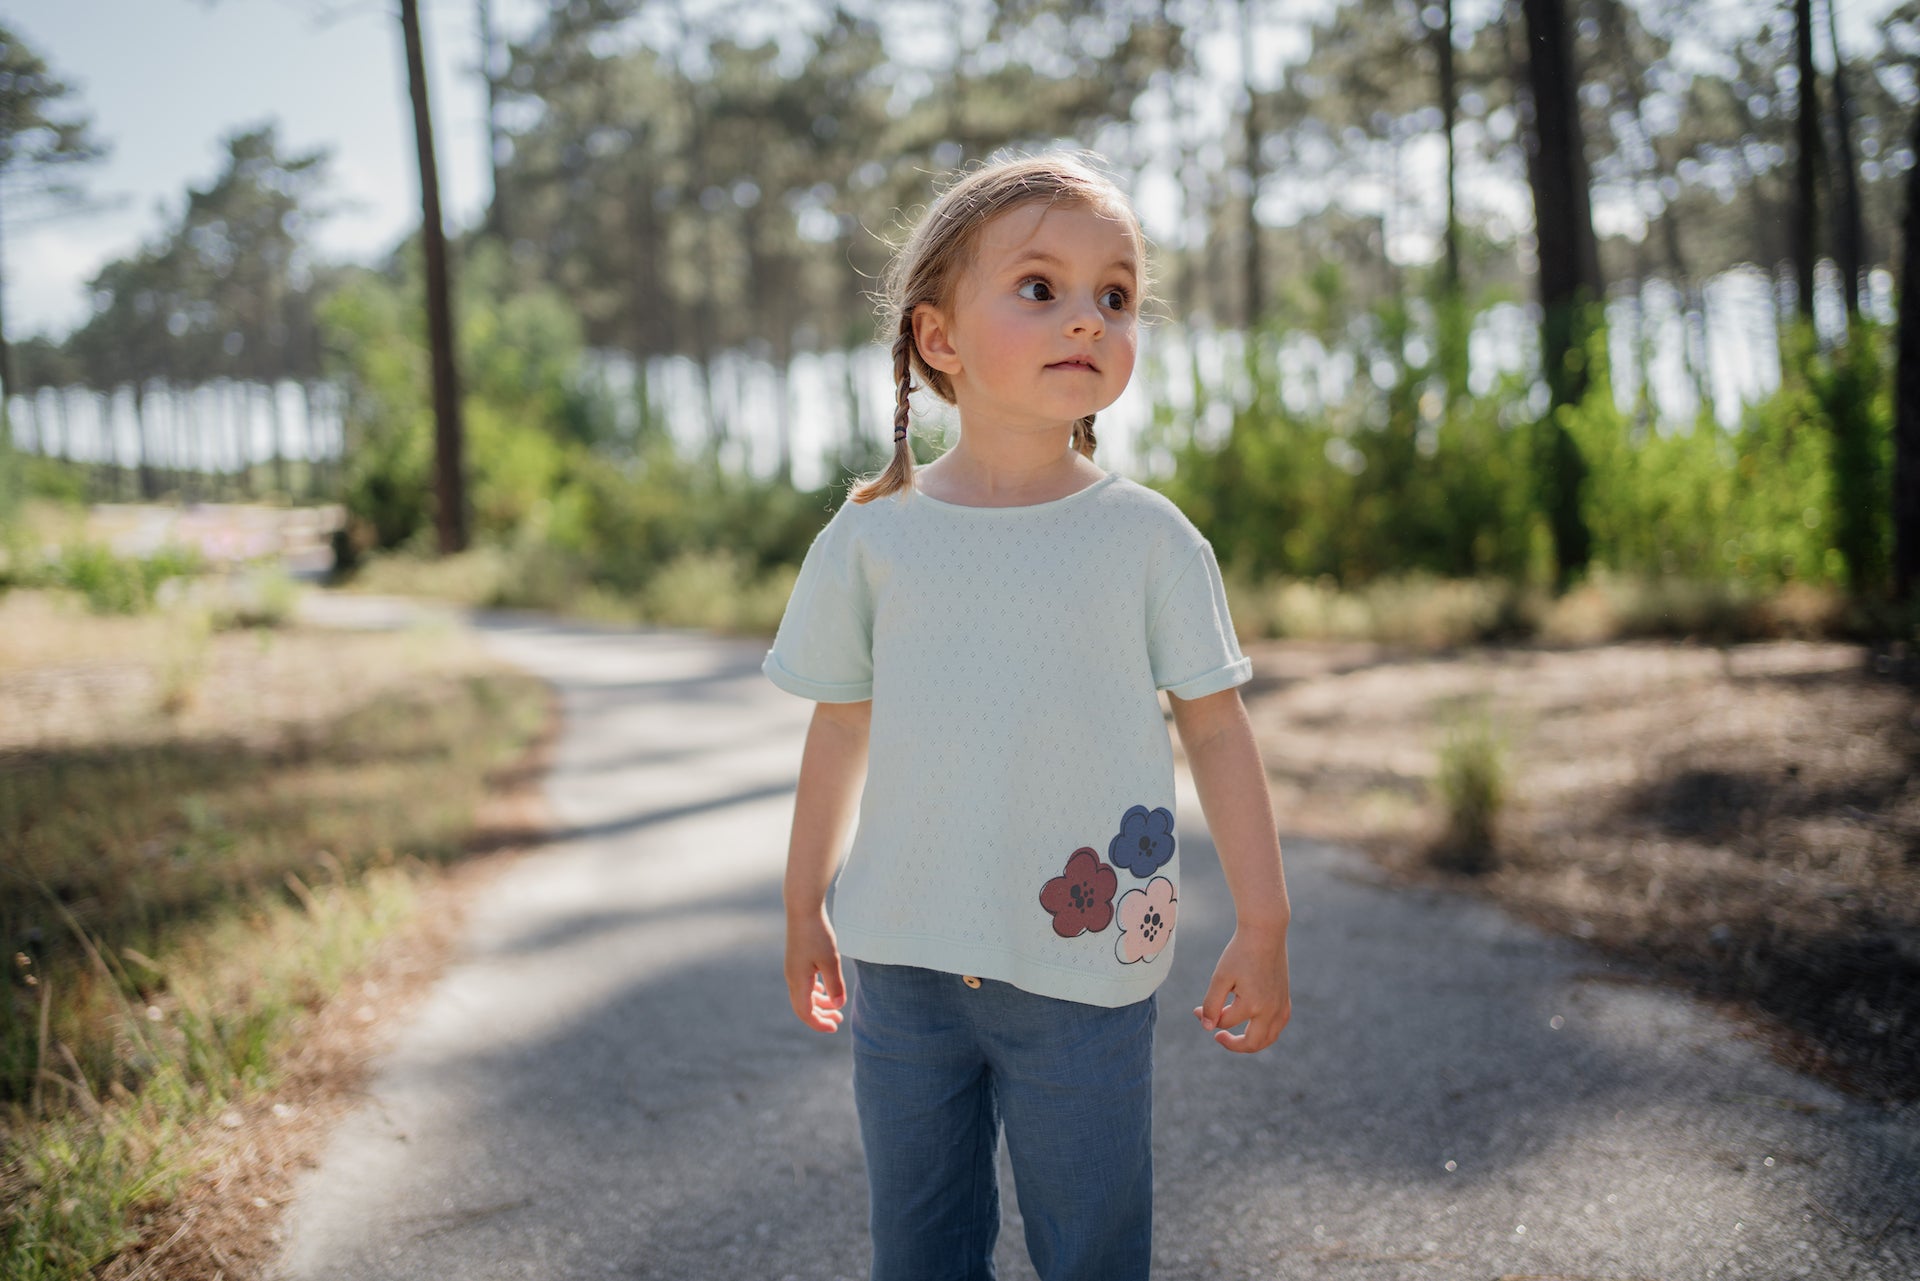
(1013,334)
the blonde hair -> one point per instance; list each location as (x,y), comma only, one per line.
(926,268)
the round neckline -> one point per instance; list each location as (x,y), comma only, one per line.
(1104,481)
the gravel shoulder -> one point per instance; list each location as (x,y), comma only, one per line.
(1745,819)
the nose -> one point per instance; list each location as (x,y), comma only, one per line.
(1086,320)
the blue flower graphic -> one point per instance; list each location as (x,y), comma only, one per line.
(1145,842)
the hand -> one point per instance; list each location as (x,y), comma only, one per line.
(814,983)
(1249,986)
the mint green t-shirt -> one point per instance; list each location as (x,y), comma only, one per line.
(1017,821)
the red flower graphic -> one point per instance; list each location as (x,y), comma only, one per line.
(1081,898)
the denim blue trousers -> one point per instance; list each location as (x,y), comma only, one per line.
(940,1063)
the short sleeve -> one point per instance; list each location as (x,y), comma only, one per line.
(1190,642)
(824,648)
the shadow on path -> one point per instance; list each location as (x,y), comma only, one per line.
(610,1084)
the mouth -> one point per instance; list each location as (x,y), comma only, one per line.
(1078,362)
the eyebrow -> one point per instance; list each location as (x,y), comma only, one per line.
(1038,255)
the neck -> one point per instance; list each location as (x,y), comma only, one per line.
(995,467)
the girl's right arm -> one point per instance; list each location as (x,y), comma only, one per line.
(831,771)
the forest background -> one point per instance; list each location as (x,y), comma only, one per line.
(1564,319)
(1430,309)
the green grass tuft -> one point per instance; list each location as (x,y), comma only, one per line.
(1473,785)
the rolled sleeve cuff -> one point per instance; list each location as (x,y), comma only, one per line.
(818,691)
(1234,673)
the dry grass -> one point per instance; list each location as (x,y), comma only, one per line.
(71,679)
(1747,818)
(201,852)
(1430,613)
(716,591)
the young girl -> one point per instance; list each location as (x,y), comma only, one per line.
(983,638)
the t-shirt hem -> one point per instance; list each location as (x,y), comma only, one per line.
(1237,673)
(1006,965)
(818,691)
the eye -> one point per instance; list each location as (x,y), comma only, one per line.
(1116,299)
(1036,290)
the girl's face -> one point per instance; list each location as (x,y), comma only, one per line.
(1044,322)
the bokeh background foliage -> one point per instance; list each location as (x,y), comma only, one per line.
(1360,373)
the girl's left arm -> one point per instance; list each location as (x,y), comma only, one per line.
(1250,984)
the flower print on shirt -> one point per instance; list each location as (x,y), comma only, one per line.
(1081,898)
(1145,843)
(1146,921)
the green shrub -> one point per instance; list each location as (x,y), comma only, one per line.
(717,591)
(1397,480)
(114,584)
(1413,609)
(1472,784)
(263,596)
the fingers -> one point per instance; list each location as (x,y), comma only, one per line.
(1261,1032)
(1213,1010)
(834,985)
(817,997)
(1232,1014)
(1263,1027)
(828,997)
(824,1013)
(1243,1042)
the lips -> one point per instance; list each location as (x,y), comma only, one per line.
(1077,362)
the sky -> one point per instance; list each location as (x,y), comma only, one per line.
(165,81)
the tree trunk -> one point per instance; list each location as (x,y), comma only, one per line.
(450,507)
(317,462)
(66,426)
(239,418)
(853,452)
(1849,237)
(6,373)
(496,224)
(1256,287)
(167,446)
(1194,278)
(6,399)
(1455,324)
(149,479)
(1449,115)
(1569,269)
(1806,163)
(648,331)
(277,424)
(1906,414)
(783,411)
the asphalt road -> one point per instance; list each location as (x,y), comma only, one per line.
(608,1082)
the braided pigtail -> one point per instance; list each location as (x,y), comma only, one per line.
(1083,439)
(899,472)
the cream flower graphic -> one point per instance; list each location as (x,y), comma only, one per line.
(1145,917)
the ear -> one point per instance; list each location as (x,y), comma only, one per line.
(933,336)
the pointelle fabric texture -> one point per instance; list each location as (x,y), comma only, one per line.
(1017,820)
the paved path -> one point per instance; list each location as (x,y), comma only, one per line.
(608,1082)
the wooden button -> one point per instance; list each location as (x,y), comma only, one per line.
(969,980)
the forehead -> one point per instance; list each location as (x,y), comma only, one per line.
(1058,229)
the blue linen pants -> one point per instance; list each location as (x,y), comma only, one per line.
(940,1063)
